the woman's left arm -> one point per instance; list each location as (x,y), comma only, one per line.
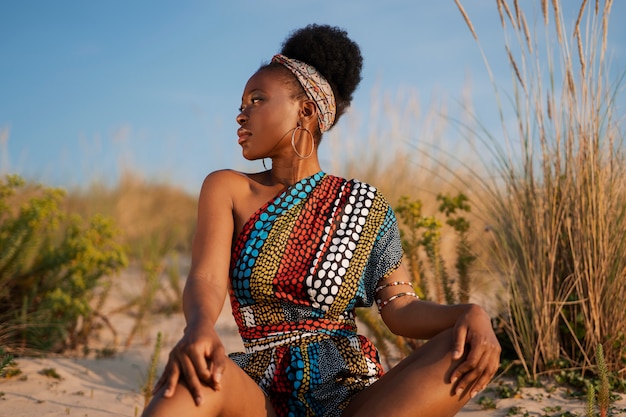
(472,330)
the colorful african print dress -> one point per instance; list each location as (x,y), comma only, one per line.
(300,266)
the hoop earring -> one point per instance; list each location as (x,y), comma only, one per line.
(293,142)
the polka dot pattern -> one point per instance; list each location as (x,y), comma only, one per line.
(301,265)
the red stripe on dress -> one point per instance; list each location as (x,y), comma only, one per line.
(306,238)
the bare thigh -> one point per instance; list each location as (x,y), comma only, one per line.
(419,385)
(239,396)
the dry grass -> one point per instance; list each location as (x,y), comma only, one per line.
(156,218)
(559,210)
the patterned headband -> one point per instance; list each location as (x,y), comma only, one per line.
(316,88)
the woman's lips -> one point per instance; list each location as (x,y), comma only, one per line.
(243,135)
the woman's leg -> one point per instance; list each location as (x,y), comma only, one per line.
(417,386)
(239,396)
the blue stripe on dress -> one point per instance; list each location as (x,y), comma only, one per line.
(260,231)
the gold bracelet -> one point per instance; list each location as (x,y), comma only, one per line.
(391,284)
(382,304)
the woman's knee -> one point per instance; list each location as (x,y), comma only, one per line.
(418,385)
(182,403)
(434,359)
(440,347)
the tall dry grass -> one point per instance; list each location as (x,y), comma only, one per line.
(156,217)
(558,208)
(401,146)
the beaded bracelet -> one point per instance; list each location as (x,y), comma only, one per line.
(391,284)
(382,304)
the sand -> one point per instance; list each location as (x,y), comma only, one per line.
(112,386)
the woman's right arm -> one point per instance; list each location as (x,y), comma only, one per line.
(199,355)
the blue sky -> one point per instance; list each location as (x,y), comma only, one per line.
(90,88)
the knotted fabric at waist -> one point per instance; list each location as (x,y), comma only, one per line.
(262,337)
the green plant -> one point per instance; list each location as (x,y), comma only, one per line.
(146,389)
(487,403)
(410,213)
(559,413)
(450,206)
(506,391)
(50,373)
(591,400)
(154,263)
(431,243)
(604,395)
(603,391)
(422,235)
(145,300)
(5,360)
(421,240)
(51,263)
(517,411)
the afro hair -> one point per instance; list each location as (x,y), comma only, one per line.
(333,54)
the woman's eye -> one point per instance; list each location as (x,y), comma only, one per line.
(253,100)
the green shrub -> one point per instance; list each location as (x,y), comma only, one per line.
(421,241)
(158,221)
(51,263)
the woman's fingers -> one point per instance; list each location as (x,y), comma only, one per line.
(474,373)
(485,377)
(208,364)
(172,379)
(169,378)
(466,373)
(474,381)
(218,363)
(470,381)
(161,382)
(478,350)
(199,361)
(460,337)
(191,378)
(458,350)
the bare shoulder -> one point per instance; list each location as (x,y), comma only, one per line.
(225,178)
(237,193)
(236,182)
(224,183)
(234,189)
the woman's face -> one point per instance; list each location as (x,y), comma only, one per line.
(267,116)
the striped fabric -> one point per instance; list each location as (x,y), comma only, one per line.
(300,266)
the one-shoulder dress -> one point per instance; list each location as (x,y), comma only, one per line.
(301,265)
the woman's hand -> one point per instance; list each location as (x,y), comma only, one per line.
(198,358)
(473,331)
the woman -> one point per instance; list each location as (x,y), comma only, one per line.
(298,250)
